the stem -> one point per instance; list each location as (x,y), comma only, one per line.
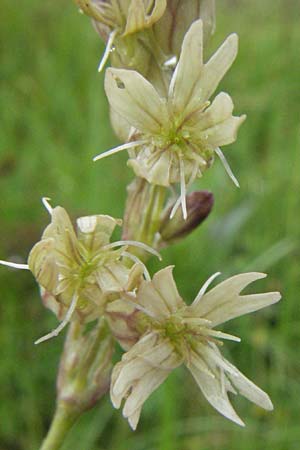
(145,203)
(63,421)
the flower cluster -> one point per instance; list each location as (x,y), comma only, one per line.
(160,91)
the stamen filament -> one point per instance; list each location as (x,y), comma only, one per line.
(182,188)
(204,288)
(108,49)
(63,324)
(175,207)
(141,245)
(45,201)
(221,335)
(227,167)
(118,149)
(14,265)
(138,261)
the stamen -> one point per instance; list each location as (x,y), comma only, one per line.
(227,167)
(141,245)
(108,49)
(63,324)
(182,188)
(204,288)
(14,265)
(138,261)
(119,149)
(175,207)
(196,321)
(45,201)
(172,82)
(221,335)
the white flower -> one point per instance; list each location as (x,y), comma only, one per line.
(78,271)
(179,334)
(174,139)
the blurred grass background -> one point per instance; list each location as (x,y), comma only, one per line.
(53,120)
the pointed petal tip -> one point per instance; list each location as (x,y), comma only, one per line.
(240,423)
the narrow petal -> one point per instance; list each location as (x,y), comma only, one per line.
(215,393)
(248,389)
(224,303)
(140,366)
(142,390)
(187,72)
(216,67)
(135,99)
(193,83)
(133,420)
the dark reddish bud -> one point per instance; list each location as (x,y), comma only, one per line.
(199,205)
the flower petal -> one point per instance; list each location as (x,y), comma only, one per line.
(220,109)
(95,231)
(224,303)
(223,133)
(141,392)
(141,371)
(155,169)
(188,69)
(215,392)
(160,296)
(164,283)
(193,83)
(215,69)
(248,389)
(135,99)
(42,263)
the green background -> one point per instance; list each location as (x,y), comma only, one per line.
(54,118)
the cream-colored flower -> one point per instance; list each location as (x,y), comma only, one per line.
(178,334)
(174,139)
(79,271)
(115,18)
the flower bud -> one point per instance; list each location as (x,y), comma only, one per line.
(85,366)
(198,204)
(177,19)
(125,16)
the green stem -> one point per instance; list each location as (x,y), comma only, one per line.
(63,421)
(142,219)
